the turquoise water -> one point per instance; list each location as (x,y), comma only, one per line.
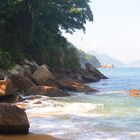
(121,78)
(109,115)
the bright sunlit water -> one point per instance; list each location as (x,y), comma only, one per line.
(109,115)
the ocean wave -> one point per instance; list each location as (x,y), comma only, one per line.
(51,106)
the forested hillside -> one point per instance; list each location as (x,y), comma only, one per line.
(32,29)
(87,58)
(82,56)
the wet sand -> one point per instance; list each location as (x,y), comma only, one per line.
(28,137)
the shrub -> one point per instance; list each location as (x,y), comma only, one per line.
(5,60)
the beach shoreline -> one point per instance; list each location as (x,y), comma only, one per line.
(28,137)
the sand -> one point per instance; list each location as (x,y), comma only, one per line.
(28,137)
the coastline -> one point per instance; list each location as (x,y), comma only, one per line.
(28,137)
(56,84)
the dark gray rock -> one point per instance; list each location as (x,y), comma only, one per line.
(96,73)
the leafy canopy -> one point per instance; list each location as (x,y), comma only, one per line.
(31,26)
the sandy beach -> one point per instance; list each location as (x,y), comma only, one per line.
(28,137)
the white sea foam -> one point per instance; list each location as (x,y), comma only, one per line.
(108,115)
(51,106)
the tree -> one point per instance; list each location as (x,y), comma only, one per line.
(35,25)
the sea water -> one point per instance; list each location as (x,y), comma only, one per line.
(108,115)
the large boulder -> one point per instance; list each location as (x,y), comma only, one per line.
(73,85)
(13,120)
(96,73)
(46,91)
(42,74)
(20,82)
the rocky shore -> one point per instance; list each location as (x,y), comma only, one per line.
(29,78)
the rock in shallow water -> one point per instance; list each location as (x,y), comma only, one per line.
(13,120)
(134,93)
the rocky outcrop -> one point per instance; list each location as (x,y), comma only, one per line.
(41,75)
(96,73)
(13,120)
(134,93)
(26,68)
(88,75)
(73,85)
(46,91)
(20,82)
(31,79)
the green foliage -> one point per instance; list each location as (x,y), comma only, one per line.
(71,57)
(5,60)
(33,28)
(17,56)
(86,58)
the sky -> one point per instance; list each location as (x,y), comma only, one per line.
(115,30)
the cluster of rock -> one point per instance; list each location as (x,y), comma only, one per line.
(29,78)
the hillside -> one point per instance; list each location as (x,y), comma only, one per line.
(105,59)
(86,58)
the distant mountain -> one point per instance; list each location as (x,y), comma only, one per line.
(135,63)
(105,59)
(84,57)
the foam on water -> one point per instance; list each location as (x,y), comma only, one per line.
(109,115)
(104,116)
(51,106)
